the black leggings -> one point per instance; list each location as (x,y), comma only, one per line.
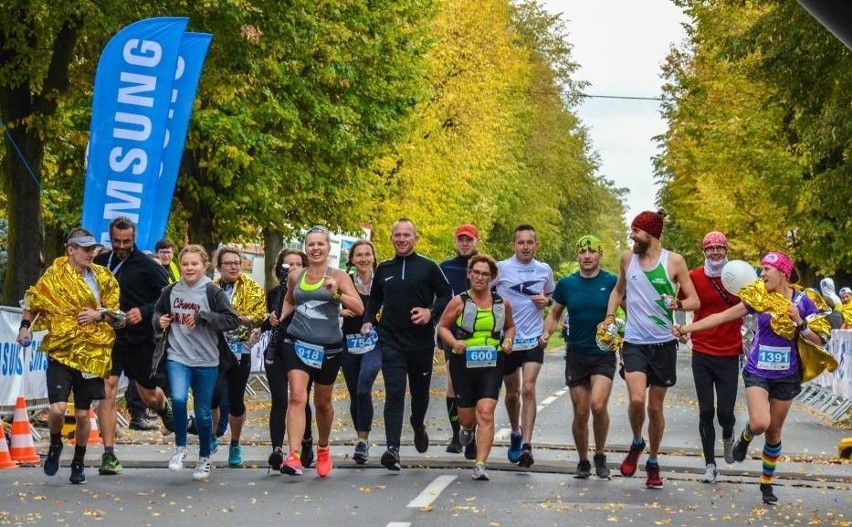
(397,366)
(719,374)
(235,380)
(276,376)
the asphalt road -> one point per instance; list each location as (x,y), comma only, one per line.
(435,489)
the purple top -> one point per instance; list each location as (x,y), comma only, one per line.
(772,356)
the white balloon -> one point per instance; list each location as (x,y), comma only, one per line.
(737,274)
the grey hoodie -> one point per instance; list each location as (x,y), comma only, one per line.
(197,347)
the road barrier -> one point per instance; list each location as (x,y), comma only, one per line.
(831,392)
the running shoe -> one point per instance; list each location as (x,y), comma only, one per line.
(214,445)
(455,447)
(276,459)
(109,465)
(628,466)
(78,474)
(740,450)
(470,451)
(480,473)
(307,453)
(584,469)
(235,456)
(525,460)
(728,446)
(421,439)
(324,464)
(467,435)
(710,473)
(768,496)
(168,418)
(176,463)
(601,470)
(390,459)
(292,465)
(202,469)
(51,463)
(142,424)
(362,452)
(652,476)
(515,441)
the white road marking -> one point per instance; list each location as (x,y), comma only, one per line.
(431,492)
(399,524)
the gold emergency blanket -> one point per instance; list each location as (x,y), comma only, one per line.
(814,359)
(846,311)
(248,300)
(59,296)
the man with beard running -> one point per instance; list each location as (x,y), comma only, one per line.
(653,279)
(140,280)
(409,290)
(455,269)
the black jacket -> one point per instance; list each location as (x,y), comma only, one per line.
(140,280)
(399,285)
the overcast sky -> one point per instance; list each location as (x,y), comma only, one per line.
(620,45)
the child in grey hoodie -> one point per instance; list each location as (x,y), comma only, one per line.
(196,312)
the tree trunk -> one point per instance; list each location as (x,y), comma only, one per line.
(26,229)
(273,242)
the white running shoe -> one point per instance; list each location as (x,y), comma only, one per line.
(176,463)
(709,475)
(202,469)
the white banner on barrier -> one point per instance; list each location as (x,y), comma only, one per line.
(21,370)
(840,381)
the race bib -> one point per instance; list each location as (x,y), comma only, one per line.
(774,358)
(520,344)
(88,376)
(311,354)
(236,347)
(481,356)
(358,344)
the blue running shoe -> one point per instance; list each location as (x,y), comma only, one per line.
(235,456)
(515,441)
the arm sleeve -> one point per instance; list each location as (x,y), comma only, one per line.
(442,289)
(377,297)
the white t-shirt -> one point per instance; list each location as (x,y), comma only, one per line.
(518,283)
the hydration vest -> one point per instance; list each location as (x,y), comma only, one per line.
(464,330)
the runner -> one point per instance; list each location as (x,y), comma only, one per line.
(588,370)
(528,285)
(478,328)
(194,312)
(408,290)
(71,300)
(362,360)
(140,280)
(314,345)
(165,250)
(455,269)
(288,261)
(651,278)
(771,374)
(715,355)
(248,300)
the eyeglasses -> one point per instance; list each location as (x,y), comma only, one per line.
(716,248)
(230,264)
(480,274)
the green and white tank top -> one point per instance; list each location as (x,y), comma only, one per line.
(648,321)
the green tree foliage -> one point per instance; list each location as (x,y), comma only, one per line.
(760,118)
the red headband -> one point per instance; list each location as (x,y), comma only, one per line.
(650,222)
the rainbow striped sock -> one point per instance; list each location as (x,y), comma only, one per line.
(771,453)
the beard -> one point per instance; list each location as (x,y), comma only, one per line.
(640,247)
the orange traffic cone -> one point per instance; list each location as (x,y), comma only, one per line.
(94,432)
(23,449)
(5,459)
